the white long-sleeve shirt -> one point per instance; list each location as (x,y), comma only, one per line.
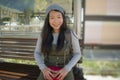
(76,52)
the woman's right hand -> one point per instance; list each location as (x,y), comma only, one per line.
(47,73)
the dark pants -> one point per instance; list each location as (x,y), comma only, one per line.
(68,77)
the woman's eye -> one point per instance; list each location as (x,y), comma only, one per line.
(51,18)
(59,17)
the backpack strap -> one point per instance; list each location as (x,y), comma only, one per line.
(68,38)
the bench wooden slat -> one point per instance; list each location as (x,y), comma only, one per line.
(18,43)
(17,57)
(19,54)
(17,50)
(18,39)
(19,47)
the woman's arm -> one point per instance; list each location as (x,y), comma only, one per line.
(76,52)
(37,54)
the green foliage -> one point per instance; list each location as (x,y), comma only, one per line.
(101,67)
(31,62)
(6,19)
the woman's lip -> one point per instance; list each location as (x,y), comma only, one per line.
(56,25)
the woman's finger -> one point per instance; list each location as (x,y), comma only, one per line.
(47,73)
(61,74)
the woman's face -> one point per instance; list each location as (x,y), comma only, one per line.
(55,20)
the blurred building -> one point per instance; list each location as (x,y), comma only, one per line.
(8,14)
(102,23)
(96,22)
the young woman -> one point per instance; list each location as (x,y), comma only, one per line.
(52,52)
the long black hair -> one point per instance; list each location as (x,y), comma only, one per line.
(47,37)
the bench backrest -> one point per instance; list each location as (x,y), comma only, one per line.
(17,48)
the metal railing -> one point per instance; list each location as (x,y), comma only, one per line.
(19,31)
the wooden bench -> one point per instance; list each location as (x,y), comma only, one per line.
(17,48)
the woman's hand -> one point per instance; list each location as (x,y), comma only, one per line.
(47,73)
(61,74)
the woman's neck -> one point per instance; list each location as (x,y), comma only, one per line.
(56,31)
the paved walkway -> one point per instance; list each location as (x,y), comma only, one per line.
(97,77)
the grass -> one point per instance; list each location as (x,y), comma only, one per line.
(31,62)
(101,67)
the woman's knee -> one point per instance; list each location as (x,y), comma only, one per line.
(40,77)
(69,76)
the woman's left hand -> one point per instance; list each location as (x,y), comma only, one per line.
(61,74)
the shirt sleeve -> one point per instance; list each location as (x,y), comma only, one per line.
(76,52)
(38,55)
